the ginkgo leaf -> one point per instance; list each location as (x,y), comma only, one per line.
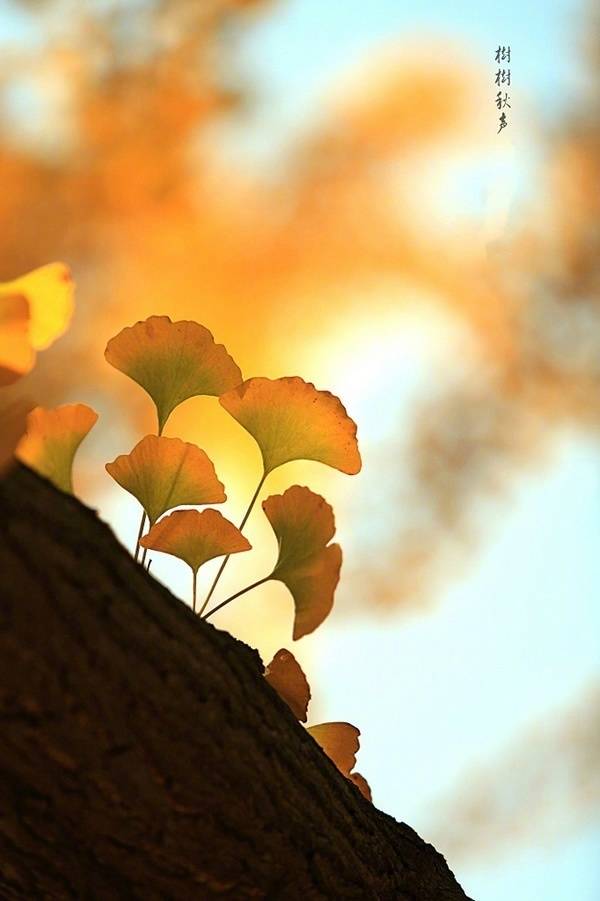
(195,537)
(310,567)
(291,420)
(52,438)
(172,361)
(16,353)
(163,473)
(362,785)
(285,675)
(49,292)
(340,743)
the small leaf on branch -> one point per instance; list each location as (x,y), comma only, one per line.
(362,785)
(163,473)
(285,675)
(310,567)
(195,537)
(172,361)
(340,743)
(291,420)
(52,438)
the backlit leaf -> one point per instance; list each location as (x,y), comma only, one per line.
(195,537)
(172,361)
(340,743)
(291,420)
(49,292)
(52,438)
(310,567)
(285,675)
(16,353)
(163,473)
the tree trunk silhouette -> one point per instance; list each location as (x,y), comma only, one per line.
(142,753)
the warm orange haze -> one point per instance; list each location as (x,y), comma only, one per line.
(462,338)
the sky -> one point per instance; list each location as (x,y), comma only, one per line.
(515,638)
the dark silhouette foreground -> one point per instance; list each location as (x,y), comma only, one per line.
(142,753)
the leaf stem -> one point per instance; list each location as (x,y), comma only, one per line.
(236,595)
(140,533)
(224,563)
(194,579)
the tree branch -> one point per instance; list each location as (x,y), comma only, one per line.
(144,756)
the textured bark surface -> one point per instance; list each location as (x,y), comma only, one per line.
(144,756)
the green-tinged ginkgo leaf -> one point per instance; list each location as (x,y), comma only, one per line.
(16,353)
(285,675)
(307,564)
(163,473)
(52,438)
(172,361)
(49,293)
(291,420)
(195,537)
(340,743)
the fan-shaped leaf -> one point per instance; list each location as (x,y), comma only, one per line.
(310,567)
(195,537)
(340,743)
(52,438)
(172,361)
(49,292)
(163,473)
(285,675)
(16,354)
(291,420)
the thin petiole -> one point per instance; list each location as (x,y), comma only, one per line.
(194,580)
(224,563)
(140,533)
(236,595)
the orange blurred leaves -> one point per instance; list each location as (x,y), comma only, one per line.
(52,439)
(309,567)
(35,309)
(172,361)
(291,420)
(163,473)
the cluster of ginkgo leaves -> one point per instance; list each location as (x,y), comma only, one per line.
(288,418)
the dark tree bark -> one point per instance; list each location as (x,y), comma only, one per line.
(142,754)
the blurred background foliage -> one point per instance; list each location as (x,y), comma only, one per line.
(444,280)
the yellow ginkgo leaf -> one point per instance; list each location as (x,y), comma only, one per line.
(285,675)
(163,473)
(172,361)
(291,420)
(195,538)
(52,438)
(49,292)
(310,567)
(16,353)
(340,743)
